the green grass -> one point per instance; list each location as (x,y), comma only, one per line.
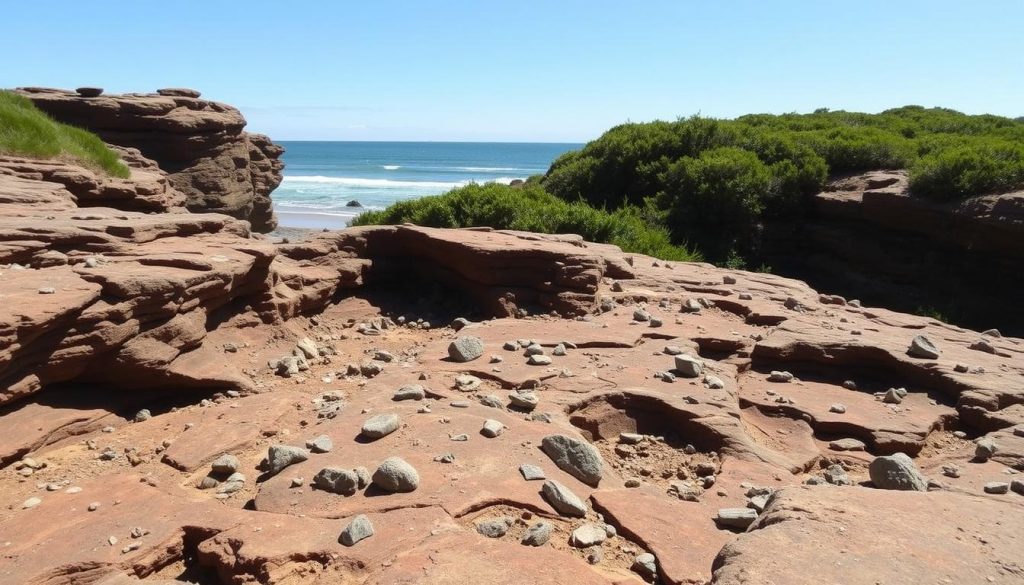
(28,132)
(530,208)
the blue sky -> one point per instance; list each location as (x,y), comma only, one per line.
(524,70)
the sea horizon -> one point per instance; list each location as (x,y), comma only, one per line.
(325,179)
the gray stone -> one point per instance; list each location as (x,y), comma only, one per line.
(655,322)
(575,457)
(381,425)
(836,475)
(1017,486)
(896,472)
(31,503)
(849,444)
(143,415)
(539,360)
(308,348)
(837,408)
(492,401)
(983,345)
(736,517)
(533,349)
(689,366)
(412,392)
(320,444)
(281,456)
(492,428)
(672,350)
(395,475)
(641,315)
(225,464)
(645,564)
(459,322)
(538,534)
(714,382)
(526,401)
(337,481)
(630,438)
(758,503)
(510,346)
(892,397)
(780,376)
(996,487)
(358,529)
(563,500)
(985,449)
(465,349)
(922,347)
(691,306)
(494,528)
(531,472)
(588,535)
(364,476)
(467,382)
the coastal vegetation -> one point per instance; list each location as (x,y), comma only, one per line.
(530,208)
(27,131)
(708,186)
(713,182)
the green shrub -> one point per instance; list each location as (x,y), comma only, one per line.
(665,167)
(530,208)
(956,173)
(27,131)
(716,198)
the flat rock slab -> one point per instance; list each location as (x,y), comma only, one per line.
(479,474)
(682,535)
(229,426)
(886,429)
(454,558)
(881,538)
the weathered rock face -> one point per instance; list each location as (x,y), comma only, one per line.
(199,143)
(869,239)
(107,312)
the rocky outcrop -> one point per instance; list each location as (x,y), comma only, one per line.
(141,343)
(869,239)
(199,143)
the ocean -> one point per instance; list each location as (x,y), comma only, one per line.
(321,178)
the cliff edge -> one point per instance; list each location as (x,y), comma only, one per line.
(200,143)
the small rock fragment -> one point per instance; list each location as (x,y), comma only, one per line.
(538,534)
(922,347)
(563,500)
(689,366)
(395,475)
(896,472)
(736,517)
(358,529)
(281,456)
(380,425)
(465,349)
(492,428)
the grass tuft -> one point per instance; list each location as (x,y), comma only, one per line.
(27,131)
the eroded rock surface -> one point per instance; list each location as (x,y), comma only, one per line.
(199,143)
(190,317)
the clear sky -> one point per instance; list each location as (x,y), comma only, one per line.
(524,70)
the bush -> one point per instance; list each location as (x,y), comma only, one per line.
(27,131)
(530,208)
(671,167)
(716,198)
(956,173)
